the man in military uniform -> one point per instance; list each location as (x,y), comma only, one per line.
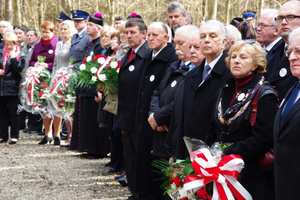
(80,40)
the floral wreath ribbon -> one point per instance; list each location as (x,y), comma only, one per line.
(107,60)
(61,79)
(32,77)
(224,176)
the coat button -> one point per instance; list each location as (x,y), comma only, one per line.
(141,110)
(278,167)
(140,128)
(146,76)
(142,93)
(278,145)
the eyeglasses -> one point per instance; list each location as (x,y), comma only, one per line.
(247,41)
(290,51)
(263,26)
(287,18)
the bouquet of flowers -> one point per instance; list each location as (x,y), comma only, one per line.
(100,70)
(62,93)
(33,89)
(206,175)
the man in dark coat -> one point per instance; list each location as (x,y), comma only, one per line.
(79,40)
(193,108)
(162,54)
(281,76)
(268,36)
(176,16)
(163,97)
(286,131)
(86,135)
(128,80)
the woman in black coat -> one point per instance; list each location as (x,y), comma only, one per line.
(10,67)
(231,118)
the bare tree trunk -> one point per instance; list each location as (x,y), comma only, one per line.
(8,10)
(214,9)
(227,10)
(17,13)
(206,10)
(112,11)
(41,12)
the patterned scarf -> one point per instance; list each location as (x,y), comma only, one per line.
(231,115)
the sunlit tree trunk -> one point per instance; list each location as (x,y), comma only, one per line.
(17,13)
(8,10)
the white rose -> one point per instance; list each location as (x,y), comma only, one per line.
(93,70)
(92,53)
(88,59)
(102,77)
(113,64)
(101,60)
(94,78)
(82,67)
(118,70)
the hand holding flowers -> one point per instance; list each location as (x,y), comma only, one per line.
(100,70)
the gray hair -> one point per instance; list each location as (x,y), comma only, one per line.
(174,5)
(270,12)
(294,33)
(216,23)
(187,30)
(6,23)
(189,17)
(162,25)
(233,33)
(136,22)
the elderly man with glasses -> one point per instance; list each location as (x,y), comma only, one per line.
(287,19)
(268,36)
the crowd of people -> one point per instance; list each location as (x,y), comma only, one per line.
(236,84)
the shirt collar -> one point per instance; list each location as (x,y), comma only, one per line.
(270,46)
(214,62)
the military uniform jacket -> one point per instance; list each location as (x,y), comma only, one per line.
(128,80)
(77,49)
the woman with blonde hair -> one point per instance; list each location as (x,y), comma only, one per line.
(105,33)
(62,59)
(234,119)
(11,65)
(123,47)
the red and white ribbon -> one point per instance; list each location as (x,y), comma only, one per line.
(107,60)
(224,176)
(32,78)
(61,78)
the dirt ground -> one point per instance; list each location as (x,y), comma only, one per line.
(31,171)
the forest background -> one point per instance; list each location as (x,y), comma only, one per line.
(32,13)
